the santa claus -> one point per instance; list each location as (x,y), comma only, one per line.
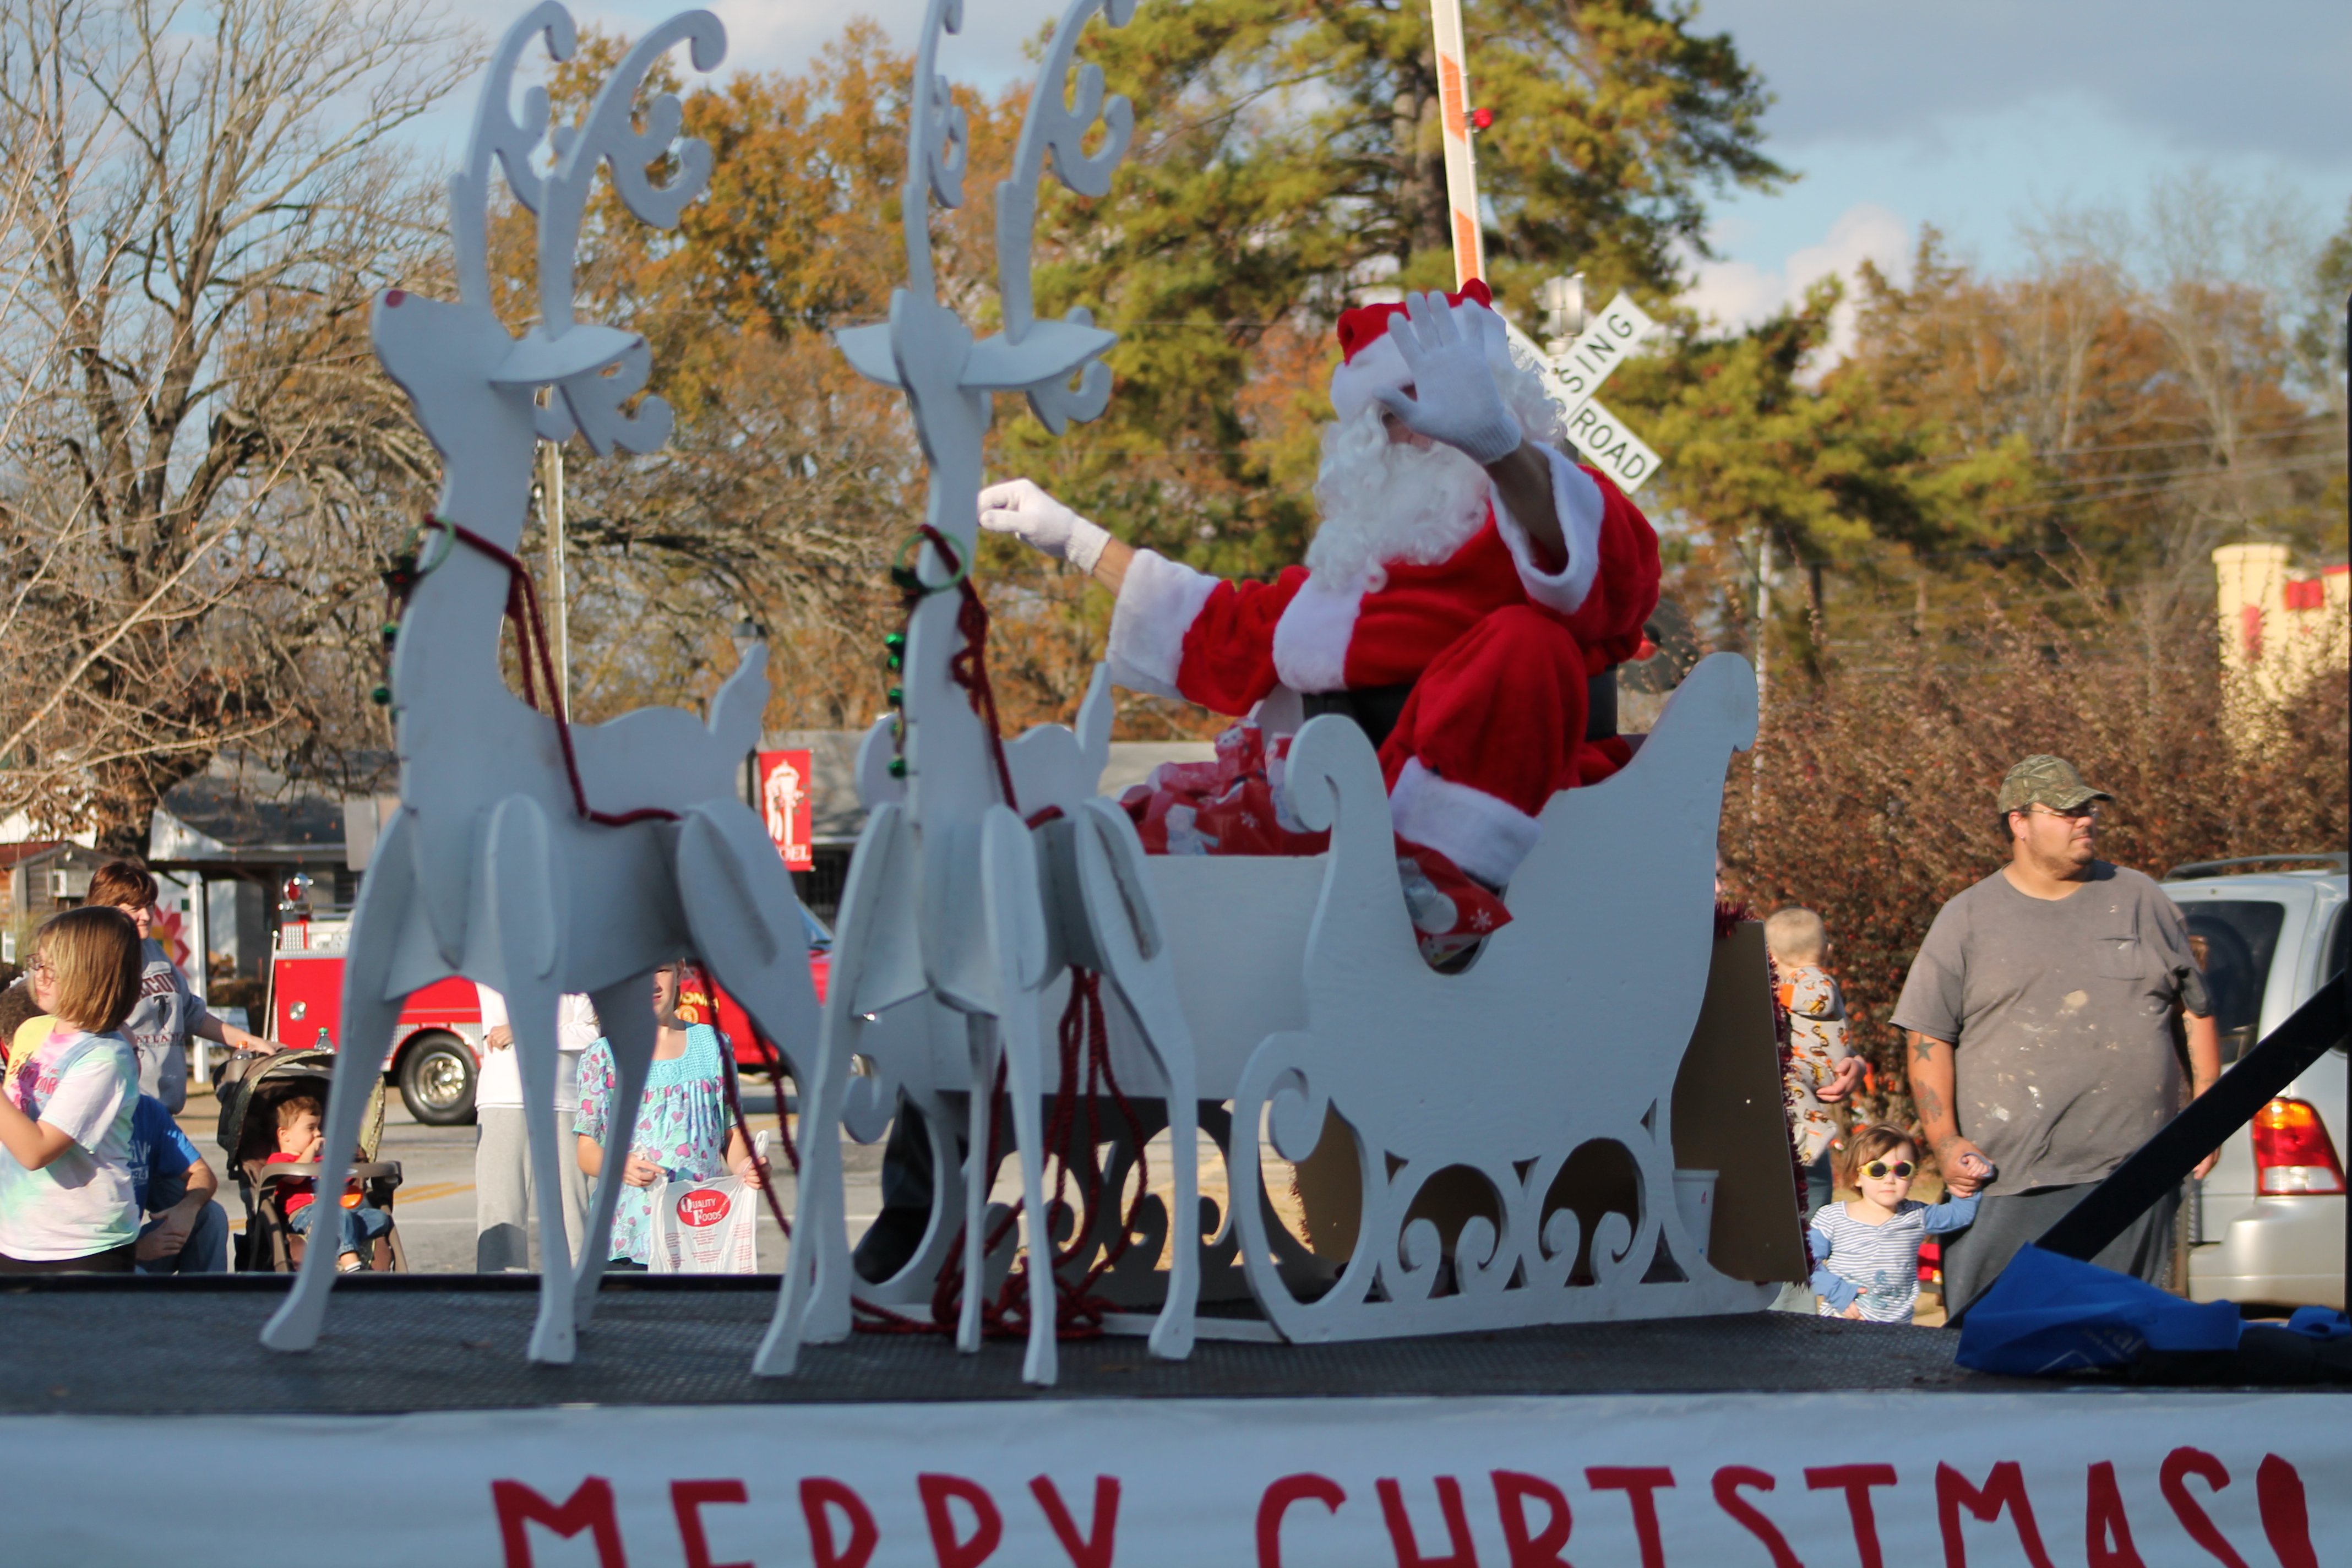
(1464,582)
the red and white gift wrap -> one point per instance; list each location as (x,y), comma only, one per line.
(1496,643)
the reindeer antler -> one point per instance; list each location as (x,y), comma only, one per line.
(939,139)
(1061,128)
(592,401)
(498,132)
(1031,357)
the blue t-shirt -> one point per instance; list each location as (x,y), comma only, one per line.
(160,1155)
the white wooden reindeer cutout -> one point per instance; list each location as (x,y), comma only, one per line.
(954,922)
(528,857)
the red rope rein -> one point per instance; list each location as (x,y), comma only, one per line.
(968,667)
(531,645)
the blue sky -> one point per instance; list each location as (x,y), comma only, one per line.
(1970,116)
(1898,112)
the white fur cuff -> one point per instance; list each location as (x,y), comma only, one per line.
(1487,838)
(1312,638)
(1576,499)
(1157,602)
(1377,366)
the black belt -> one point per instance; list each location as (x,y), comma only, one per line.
(1376,708)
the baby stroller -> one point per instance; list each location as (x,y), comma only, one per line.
(250,1088)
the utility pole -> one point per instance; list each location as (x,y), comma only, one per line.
(551,494)
(1763,607)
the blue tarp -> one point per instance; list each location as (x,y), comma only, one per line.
(2049,1314)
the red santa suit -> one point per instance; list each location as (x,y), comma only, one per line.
(1496,644)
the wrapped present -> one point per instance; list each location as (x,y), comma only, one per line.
(1235,803)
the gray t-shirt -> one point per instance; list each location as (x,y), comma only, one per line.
(2060,1012)
(158,1029)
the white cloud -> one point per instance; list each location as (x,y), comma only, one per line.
(1734,293)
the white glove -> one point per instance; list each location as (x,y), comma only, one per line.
(1019,507)
(1455,400)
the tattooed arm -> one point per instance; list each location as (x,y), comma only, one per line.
(1932,1082)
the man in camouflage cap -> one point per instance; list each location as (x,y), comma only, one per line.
(2040,1014)
(2046,781)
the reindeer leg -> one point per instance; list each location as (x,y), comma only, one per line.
(980,1032)
(873,963)
(1016,929)
(1123,920)
(387,899)
(746,925)
(626,1011)
(525,889)
(530,1012)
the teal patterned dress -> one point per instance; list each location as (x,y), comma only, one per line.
(682,1126)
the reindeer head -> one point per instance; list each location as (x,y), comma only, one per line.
(476,387)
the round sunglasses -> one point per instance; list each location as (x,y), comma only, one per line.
(1879,1170)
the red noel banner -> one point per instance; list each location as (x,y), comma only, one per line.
(784,805)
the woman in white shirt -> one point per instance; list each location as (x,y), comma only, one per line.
(504,1236)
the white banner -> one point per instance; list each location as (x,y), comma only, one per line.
(1990,1481)
(1608,445)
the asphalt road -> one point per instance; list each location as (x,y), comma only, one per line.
(434,1209)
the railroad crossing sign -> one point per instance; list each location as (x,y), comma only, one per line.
(1575,363)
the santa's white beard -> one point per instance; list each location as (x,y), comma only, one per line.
(1383,501)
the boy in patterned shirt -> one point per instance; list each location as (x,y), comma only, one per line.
(1822,1069)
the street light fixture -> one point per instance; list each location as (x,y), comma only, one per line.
(748,635)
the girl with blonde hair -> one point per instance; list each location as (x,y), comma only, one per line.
(66,1198)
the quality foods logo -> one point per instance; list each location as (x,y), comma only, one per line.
(704,1208)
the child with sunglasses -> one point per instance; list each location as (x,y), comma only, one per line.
(1866,1252)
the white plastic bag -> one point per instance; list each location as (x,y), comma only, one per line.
(705,1227)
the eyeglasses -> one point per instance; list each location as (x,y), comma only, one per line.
(2089,808)
(1879,1170)
(41,966)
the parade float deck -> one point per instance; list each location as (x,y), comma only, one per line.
(398,1345)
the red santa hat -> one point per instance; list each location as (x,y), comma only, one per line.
(1373,363)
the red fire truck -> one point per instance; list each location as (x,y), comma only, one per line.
(436,1049)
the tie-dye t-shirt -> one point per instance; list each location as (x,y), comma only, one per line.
(87,1086)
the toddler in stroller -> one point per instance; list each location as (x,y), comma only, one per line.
(271,1109)
(299,1142)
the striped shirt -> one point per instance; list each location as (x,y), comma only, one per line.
(1878,1265)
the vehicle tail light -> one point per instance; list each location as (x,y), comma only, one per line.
(2292,1153)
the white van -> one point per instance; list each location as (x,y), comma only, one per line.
(2267,1226)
